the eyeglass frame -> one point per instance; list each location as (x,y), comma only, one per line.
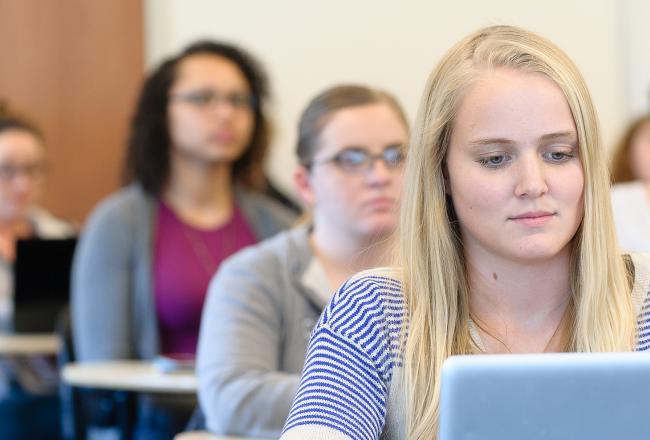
(367,164)
(35,171)
(205,98)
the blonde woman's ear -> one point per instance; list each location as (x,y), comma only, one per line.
(303,186)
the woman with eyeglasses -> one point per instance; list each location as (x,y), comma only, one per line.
(196,195)
(28,400)
(265,300)
(22,173)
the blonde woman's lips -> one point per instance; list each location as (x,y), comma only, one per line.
(533,218)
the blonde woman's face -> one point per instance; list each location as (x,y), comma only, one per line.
(640,153)
(514,172)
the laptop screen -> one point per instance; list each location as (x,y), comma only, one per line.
(41,282)
(560,396)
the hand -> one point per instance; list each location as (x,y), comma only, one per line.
(7,246)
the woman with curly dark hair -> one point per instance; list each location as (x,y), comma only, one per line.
(198,139)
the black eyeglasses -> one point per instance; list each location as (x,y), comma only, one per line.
(206,98)
(357,160)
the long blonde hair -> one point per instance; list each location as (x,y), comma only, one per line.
(435,281)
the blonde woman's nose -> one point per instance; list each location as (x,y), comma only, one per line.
(531,178)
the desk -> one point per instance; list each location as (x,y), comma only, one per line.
(204,435)
(26,344)
(125,378)
(138,376)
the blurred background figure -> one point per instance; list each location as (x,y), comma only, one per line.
(631,190)
(22,172)
(265,300)
(28,401)
(198,141)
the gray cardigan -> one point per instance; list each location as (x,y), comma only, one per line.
(113,311)
(255,329)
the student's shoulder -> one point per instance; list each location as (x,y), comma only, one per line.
(127,209)
(123,202)
(383,282)
(367,299)
(283,249)
(47,225)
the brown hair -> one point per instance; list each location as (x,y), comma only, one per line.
(320,109)
(621,169)
(12,121)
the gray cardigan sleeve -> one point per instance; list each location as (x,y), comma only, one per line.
(101,287)
(241,390)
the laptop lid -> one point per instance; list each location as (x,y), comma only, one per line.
(41,282)
(560,396)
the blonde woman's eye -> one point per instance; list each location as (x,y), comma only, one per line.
(494,161)
(558,156)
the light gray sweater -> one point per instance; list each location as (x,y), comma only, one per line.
(255,328)
(113,311)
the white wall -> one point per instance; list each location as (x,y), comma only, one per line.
(308,45)
(635,47)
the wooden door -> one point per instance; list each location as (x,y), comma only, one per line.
(74,67)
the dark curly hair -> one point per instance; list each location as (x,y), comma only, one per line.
(149,144)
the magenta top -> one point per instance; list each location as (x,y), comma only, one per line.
(185,258)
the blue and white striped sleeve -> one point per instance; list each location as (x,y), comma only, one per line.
(344,386)
(641,299)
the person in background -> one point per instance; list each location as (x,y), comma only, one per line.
(28,401)
(196,195)
(631,190)
(22,171)
(265,300)
(507,245)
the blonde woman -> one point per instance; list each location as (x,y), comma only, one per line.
(507,246)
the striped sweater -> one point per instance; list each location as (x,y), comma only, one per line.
(349,387)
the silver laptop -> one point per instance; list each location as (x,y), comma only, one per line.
(568,396)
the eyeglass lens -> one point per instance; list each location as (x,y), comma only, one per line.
(11,171)
(358,159)
(207,97)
